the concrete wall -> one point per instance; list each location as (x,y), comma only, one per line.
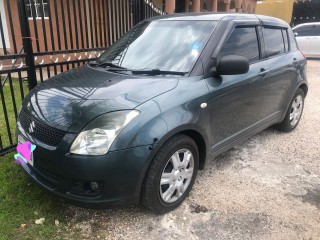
(280,9)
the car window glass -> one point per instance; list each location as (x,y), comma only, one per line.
(316,30)
(285,39)
(304,31)
(164,45)
(292,41)
(242,42)
(273,41)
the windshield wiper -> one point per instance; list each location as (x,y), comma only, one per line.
(157,71)
(107,65)
(116,68)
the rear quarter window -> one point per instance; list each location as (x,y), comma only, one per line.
(285,39)
(292,41)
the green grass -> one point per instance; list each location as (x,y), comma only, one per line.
(10,109)
(21,202)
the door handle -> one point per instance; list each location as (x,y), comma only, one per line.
(263,72)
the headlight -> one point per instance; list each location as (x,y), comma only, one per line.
(97,137)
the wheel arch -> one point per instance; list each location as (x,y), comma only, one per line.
(304,88)
(201,144)
(200,139)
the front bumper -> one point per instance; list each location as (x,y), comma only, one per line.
(119,174)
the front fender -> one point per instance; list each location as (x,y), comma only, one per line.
(168,114)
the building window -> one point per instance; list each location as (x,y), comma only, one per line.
(37,8)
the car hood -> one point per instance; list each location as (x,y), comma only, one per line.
(72,99)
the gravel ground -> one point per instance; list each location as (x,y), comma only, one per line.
(266,188)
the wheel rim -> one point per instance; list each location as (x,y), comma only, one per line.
(176,175)
(296,110)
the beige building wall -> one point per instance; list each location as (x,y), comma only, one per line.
(281,9)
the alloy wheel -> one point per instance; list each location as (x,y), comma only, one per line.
(296,110)
(177,175)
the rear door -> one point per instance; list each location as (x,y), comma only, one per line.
(237,102)
(283,72)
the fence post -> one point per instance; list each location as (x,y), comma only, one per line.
(135,11)
(138,11)
(142,10)
(27,44)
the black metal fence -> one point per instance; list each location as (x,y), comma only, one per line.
(42,38)
(305,11)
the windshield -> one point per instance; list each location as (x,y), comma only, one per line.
(162,45)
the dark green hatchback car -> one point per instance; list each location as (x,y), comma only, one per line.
(136,125)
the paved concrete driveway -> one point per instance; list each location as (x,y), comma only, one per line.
(268,188)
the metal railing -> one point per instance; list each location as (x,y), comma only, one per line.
(57,36)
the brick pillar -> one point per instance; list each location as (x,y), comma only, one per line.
(196,6)
(214,5)
(227,6)
(238,5)
(170,6)
(244,6)
(254,4)
(249,8)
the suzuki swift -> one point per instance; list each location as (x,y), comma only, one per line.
(137,124)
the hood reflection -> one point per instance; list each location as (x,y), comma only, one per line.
(72,99)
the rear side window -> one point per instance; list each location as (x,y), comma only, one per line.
(243,41)
(292,41)
(304,31)
(285,39)
(273,41)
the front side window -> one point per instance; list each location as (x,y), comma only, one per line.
(37,8)
(273,40)
(243,41)
(165,45)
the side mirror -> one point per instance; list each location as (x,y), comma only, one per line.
(296,34)
(232,65)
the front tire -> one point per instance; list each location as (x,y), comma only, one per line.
(294,112)
(171,175)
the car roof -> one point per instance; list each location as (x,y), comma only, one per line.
(266,20)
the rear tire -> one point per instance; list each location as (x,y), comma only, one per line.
(171,175)
(294,113)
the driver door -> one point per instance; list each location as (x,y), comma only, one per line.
(237,102)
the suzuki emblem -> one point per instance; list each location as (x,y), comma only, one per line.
(32,127)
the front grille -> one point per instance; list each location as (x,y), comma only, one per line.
(42,132)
